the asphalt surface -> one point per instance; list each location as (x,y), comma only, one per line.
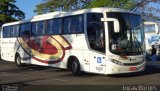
(49,78)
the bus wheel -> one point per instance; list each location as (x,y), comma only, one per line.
(18,61)
(75,67)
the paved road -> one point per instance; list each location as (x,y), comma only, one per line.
(40,76)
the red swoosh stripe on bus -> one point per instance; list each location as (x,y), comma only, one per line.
(46,48)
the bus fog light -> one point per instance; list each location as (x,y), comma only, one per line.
(133,68)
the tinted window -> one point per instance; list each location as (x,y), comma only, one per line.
(77,24)
(57,26)
(67,25)
(11,31)
(6,32)
(34,28)
(95,31)
(14,31)
(73,24)
(25,29)
(53,26)
(49,27)
(40,30)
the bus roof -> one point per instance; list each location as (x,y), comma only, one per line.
(63,14)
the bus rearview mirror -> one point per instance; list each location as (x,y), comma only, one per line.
(152,23)
(115,21)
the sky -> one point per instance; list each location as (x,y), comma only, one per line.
(28,7)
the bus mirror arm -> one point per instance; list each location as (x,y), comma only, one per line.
(115,21)
(152,23)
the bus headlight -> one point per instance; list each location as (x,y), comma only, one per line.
(116,62)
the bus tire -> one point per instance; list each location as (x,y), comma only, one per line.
(18,61)
(75,67)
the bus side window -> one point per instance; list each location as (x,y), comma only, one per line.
(80,24)
(53,26)
(49,27)
(34,29)
(15,31)
(6,32)
(73,24)
(67,25)
(11,31)
(25,29)
(77,24)
(57,26)
(40,29)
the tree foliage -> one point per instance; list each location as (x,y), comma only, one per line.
(70,5)
(150,9)
(10,12)
(126,4)
(59,5)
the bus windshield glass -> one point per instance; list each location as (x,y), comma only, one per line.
(130,39)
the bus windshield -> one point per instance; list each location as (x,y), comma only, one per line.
(130,39)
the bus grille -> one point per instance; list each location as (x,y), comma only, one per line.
(131,64)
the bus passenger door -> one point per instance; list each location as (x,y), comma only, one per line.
(96,42)
(97,63)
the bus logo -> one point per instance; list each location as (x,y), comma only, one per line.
(45,49)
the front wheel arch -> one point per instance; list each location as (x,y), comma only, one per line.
(73,65)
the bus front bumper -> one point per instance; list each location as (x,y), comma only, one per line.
(112,68)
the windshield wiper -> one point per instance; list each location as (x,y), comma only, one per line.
(138,45)
(138,27)
(130,45)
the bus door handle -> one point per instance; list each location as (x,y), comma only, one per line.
(102,65)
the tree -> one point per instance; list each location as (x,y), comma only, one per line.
(126,4)
(10,12)
(149,9)
(59,5)
(70,5)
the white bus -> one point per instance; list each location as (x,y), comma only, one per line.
(97,40)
